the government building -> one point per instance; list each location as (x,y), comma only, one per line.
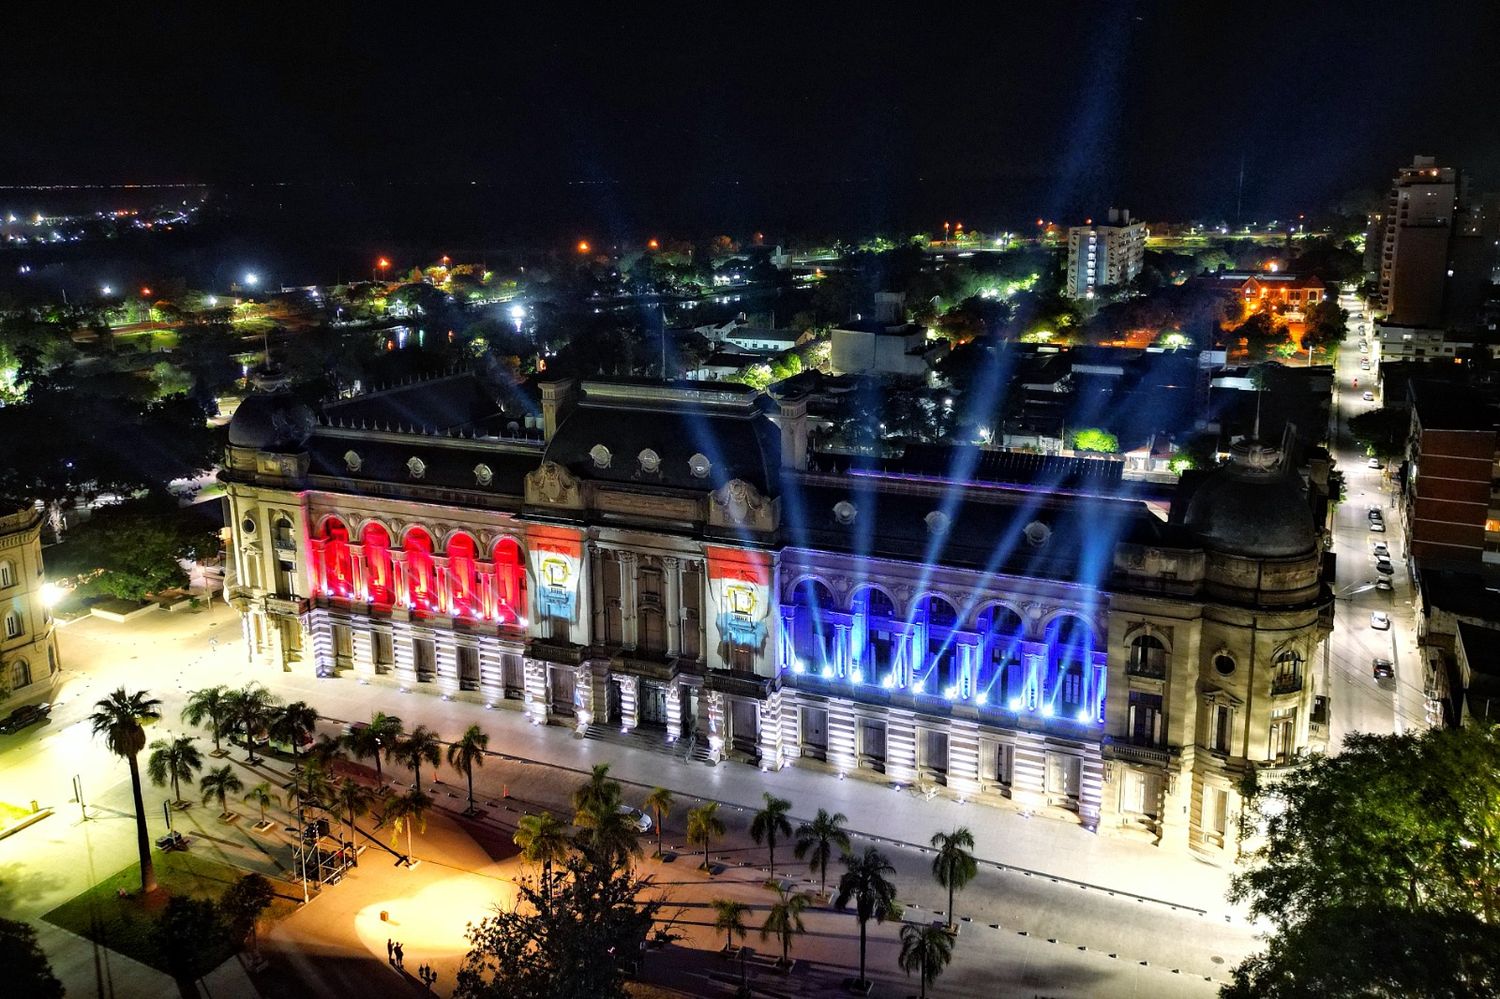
(674,566)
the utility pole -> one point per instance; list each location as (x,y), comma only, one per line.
(1239,197)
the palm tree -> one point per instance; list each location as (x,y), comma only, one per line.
(407,810)
(351,799)
(292,723)
(608,835)
(769,824)
(816,840)
(262,796)
(601,793)
(704,825)
(175,760)
(926,950)
(784,920)
(377,738)
(211,703)
(310,788)
(466,754)
(249,709)
(543,839)
(421,745)
(660,802)
(865,881)
(954,866)
(327,749)
(729,916)
(119,718)
(220,784)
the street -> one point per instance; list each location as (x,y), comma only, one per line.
(1358,701)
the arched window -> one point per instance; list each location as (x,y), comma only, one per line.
(1001,675)
(939,670)
(379,585)
(7,574)
(338,561)
(1148,657)
(285,532)
(510,582)
(876,631)
(20,674)
(421,586)
(1070,643)
(1286,677)
(812,634)
(463,577)
(13,627)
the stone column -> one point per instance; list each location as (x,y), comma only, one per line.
(440,571)
(670,569)
(674,710)
(537,707)
(630,703)
(786,644)
(358,574)
(770,732)
(628,572)
(842,664)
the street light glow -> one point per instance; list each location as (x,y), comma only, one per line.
(252,279)
(583,246)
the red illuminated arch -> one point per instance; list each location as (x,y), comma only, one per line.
(463,577)
(338,560)
(379,584)
(510,582)
(421,578)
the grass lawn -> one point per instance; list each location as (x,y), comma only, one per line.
(11,815)
(125,924)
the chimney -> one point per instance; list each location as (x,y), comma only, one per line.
(792,416)
(558,398)
(1114,216)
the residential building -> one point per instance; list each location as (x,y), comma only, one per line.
(669,566)
(1104,255)
(1449,474)
(1294,292)
(29,662)
(879,348)
(1477,657)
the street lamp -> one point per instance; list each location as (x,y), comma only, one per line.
(106,291)
(583,246)
(252,279)
(380,266)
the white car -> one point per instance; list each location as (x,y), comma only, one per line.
(1384,584)
(1378,526)
(1374,463)
(1368,397)
(1380,621)
(1382,550)
(1364,364)
(641,819)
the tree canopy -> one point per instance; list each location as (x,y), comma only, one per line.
(134,548)
(1382,432)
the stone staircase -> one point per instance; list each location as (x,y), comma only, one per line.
(653,740)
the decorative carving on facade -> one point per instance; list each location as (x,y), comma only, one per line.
(739,504)
(416,467)
(600,456)
(845,512)
(483,474)
(553,485)
(937,522)
(1037,533)
(352,461)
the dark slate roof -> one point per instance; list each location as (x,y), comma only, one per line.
(723,422)
(267,421)
(449,463)
(986,529)
(459,401)
(980,465)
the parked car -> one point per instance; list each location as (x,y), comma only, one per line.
(641,819)
(1383,669)
(1374,463)
(1380,621)
(1383,584)
(1368,396)
(1384,567)
(1364,364)
(1378,526)
(1364,348)
(1382,550)
(26,714)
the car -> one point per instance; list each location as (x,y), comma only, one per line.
(1382,550)
(26,714)
(1368,396)
(1374,463)
(1384,567)
(1380,621)
(641,819)
(1375,513)
(1364,348)
(1383,584)
(1383,669)
(1378,526)
(1364,364)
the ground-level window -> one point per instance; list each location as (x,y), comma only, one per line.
(815,733)
(514,675)
(468,667)
(872,745)
(1215,813)
(564,683)
(1141,794)
(933,747)
(20,674)
(997,762)
(424,654)
(343,646)
(1064,776)
(384,651)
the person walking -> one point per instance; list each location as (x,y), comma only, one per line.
(390,951)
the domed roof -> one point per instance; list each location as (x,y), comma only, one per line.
(270,421)
(1252,507)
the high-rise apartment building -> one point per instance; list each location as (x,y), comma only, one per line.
(1418,231)
(1104,255)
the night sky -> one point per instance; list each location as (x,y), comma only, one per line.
(1153,106)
